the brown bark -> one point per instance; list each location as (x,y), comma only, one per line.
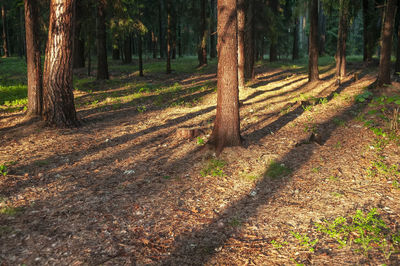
(169,25)
(295,53)
(102,65)
(340,56)
(34,68)
(202,50)
(213,50)
(4,35)
(226,130)
(241,26)
(384,64)
(58,101)
(313,42)
(397,66)
(249,41)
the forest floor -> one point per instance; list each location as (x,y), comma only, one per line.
(316,181)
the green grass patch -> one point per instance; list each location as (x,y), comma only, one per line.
(276,170)
(214,167)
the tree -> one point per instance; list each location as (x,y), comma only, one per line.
(34,68)
(387,32)
(79,42)
(58,101)
(169,35)
(226,130)
(342,37)
(4,36)
(249,40)
(295,49)
(273,30)
(313,42)
(102,65)
(241,20)
(202,50)
(213,52)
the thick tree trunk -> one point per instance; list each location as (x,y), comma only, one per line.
(241,20)
(4,35)
(213,50)
(313,42)
(160,29)
(273,49)
(226,130)
(102,65)
(58,101)
(169,25)
(249,46)
(295,52)
(140,53)
(384,64)
(34,67)
(202,50)
(340,56)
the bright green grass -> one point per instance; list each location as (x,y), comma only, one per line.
(13,90)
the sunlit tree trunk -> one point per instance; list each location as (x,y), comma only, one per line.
(102,65)
(169,24)
(58,100)
(202,50)
(249,46)
(295,52)
(4,35)
(313,42)
(340,56)
(384,64)
(34,67)
(241,26)
(226,130)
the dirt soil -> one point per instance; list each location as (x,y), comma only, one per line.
(125,189)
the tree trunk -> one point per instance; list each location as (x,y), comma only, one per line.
(397,66)
(127,50)
(154,44)
(102,65)
(202,50)
(160,29)
(213,51)
(226,130)
(169,25)
(241,20)
(179,36)
(115,52)
(4,35)
(58,101)
(249,41)
(295,53)
(341,42)
(79,42)
(384,63)
(313,42)
(140,53)
(273,49)
(321,29)
(34,67)
(22,41)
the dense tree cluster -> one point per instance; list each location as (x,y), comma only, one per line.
(70,32)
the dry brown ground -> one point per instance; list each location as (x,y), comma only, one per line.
(123,189)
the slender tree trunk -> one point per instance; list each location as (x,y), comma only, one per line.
(341,42)
(34,66)
(249,45)
(179,36)
(154,44)
(295,53)
(321,29)
(366,35)
(226,130)
(313,42)
(397,66)
(4,36)
(202,50)
(160,29)
(58,101)
(102,65)
(169,25)
(273,49)
(115,50)
(140,53)
(89,67)
(241,20)
(127,50)
(213,50)
(384,64)
(79,43)
(22,42)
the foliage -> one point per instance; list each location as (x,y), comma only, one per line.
(214,167)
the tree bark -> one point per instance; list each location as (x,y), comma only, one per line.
(169,24)
(313,42)
(58,101)
(321,29)
(140,53)
(102,65)
(213,50)
(397,66)
(341,42)
(226,130)
(79,42)
(249,41)
(154,44)
(160,29)
(295,53)
(4,35)
(202,50)
(241,20)
(34,67)
(127,50)
(384,63)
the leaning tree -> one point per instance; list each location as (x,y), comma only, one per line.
(58,100)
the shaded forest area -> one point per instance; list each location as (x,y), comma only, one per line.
(257,132)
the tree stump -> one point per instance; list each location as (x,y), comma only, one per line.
(189,132)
